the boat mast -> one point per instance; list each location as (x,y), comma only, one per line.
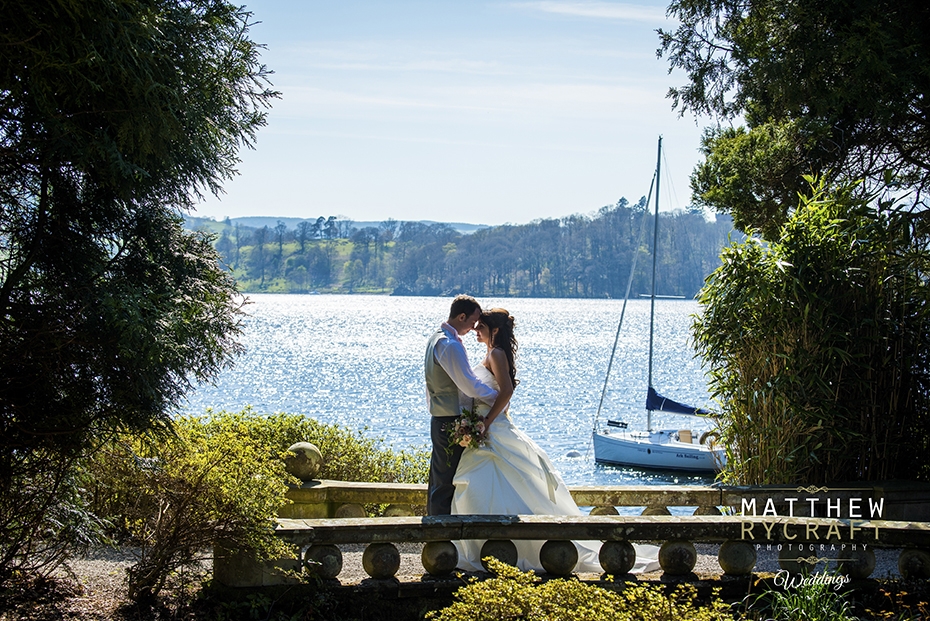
(626,298)
(652,296)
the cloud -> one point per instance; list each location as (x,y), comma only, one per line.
(600,10)
(391,56)
(490,103)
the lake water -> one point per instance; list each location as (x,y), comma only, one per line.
(357,360)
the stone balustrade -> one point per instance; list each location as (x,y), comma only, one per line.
(324,514)
(901,501)
(322,498)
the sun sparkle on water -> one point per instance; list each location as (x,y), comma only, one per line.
(357,360)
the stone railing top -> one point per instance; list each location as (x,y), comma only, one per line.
(360,492)
(903,500)
(877,533)
(585,496)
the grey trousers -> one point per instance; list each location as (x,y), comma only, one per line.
(441,468)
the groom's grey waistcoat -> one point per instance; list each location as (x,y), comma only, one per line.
(443,393)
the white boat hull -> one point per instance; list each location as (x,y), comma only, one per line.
(658,450)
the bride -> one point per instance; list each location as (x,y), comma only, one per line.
(510,474)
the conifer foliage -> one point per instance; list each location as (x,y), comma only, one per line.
(114,115)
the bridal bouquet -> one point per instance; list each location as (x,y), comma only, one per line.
(468,430)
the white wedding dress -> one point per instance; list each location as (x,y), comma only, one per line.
(511,475)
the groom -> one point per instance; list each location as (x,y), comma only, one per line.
(450,385)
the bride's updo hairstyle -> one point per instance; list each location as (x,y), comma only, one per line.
(501,320)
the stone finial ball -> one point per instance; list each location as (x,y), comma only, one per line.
(677,558)
(737,558)
(304,462)
(439,557)
(503,550)
(381,560)
(617,557)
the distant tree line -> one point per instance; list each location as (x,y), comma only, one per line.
(576,256)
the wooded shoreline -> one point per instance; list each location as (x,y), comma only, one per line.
(573,257)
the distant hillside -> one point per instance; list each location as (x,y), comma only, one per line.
(574,256)
(257,222)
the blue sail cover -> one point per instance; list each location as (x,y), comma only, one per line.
(655,401)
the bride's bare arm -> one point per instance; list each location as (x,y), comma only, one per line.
(501,370)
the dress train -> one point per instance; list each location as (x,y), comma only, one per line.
(511,475)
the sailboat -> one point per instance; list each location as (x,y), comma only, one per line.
(663,449)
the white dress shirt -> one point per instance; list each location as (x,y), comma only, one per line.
(451,356)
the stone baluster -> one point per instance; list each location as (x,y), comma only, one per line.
(737,558)
(398,510)
(351,510)
(381,560)
(503,550)
(913,563)
(558,557)
(439,558)
(617,557)
(656,510)
(858,564)
(323,561)
(677,558)
(604,510)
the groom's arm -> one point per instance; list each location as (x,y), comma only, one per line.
(452,358)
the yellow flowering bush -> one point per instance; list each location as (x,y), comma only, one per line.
(512,594)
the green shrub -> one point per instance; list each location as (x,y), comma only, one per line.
(513,594)
(176,498)
(219,479)
(348,455)
(44,518)
(817,346)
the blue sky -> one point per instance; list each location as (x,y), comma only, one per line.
(481,112)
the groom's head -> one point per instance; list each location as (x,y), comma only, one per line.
(464,313)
